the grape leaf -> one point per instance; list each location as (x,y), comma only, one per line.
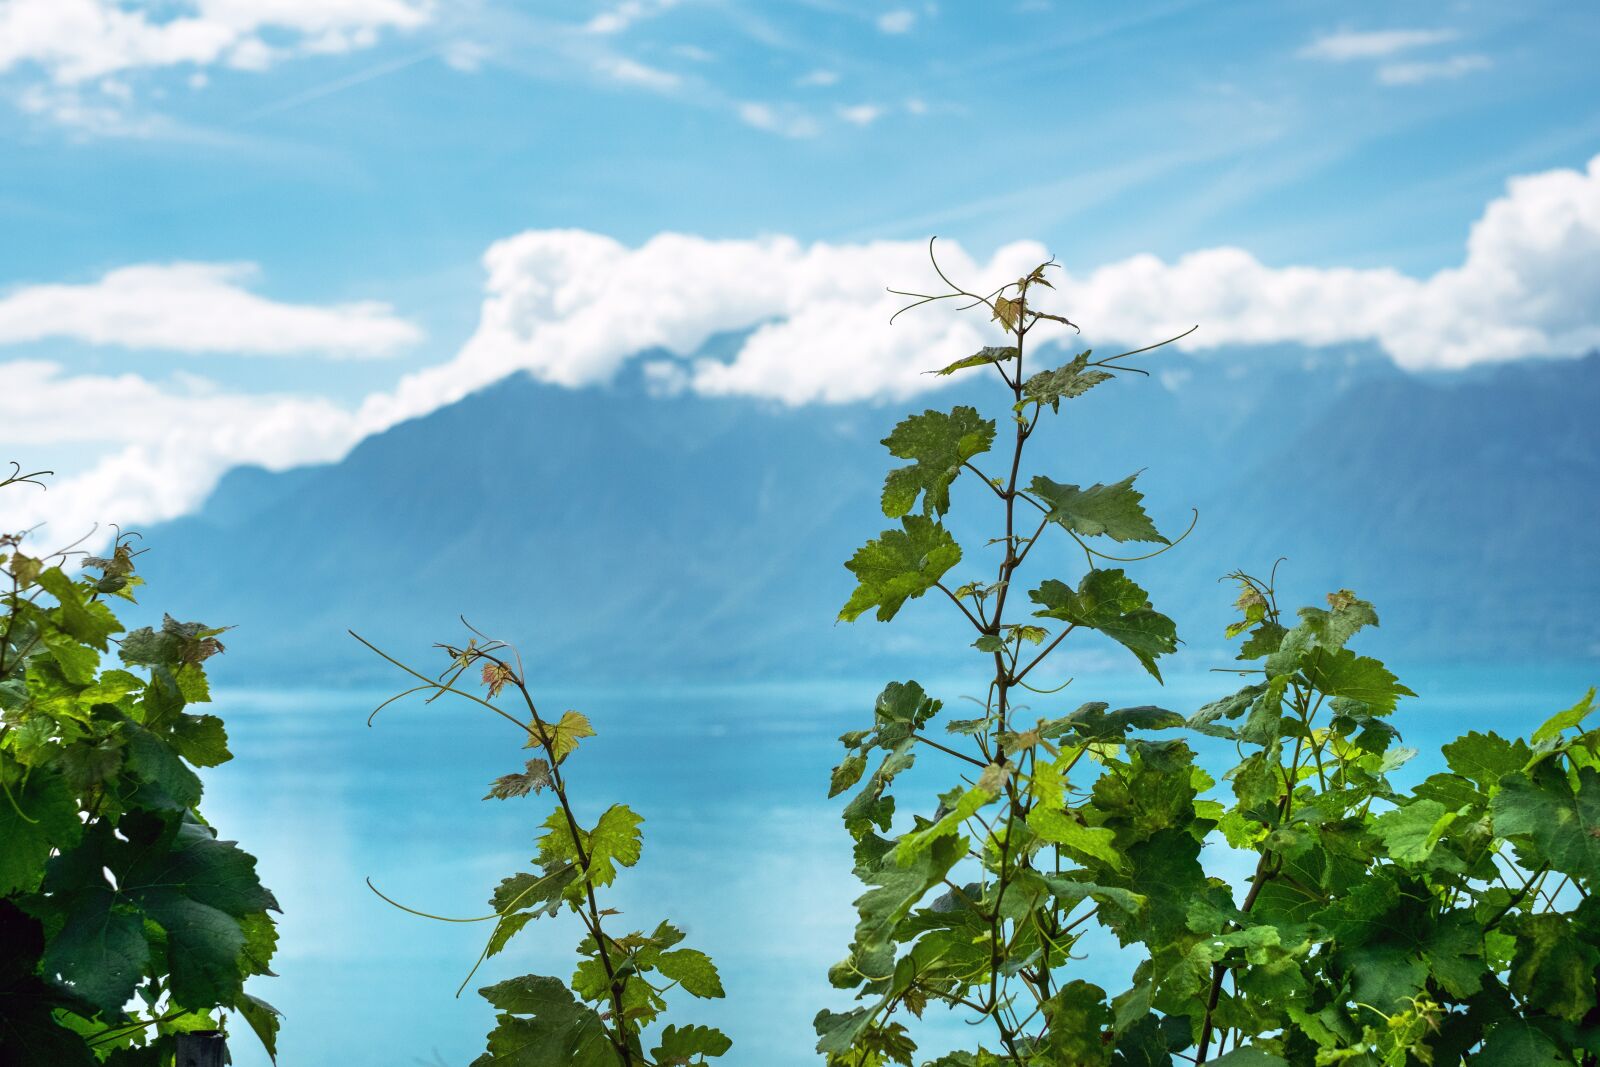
(542,1025)
(691,969)
(1108,601)
(1554,967)
(982,358)
(1562,825)
(34,819)
(680,1046)
(562,736)
(1071,379)
(940,444)
(1339,672)
(1115,510)
(900,565)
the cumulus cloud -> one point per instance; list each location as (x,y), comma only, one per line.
(196,307)
(76,41)
(572,308)
(1375,44)
(172,441)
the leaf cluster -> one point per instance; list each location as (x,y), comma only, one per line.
(1363,923)
(125,920)
(608,1013)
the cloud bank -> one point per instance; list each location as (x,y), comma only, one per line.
(76,41)
(196,307)
(572,308)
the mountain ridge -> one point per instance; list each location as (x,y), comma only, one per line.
(623,534)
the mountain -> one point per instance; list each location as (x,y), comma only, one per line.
(621,536)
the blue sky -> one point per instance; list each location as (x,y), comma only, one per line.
(366,156)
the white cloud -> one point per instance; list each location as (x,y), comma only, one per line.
(76,41)
(172,443)
(861,114)
(465,56)
(196,307)
(630,72)
(1376,44)
(1415,73)
(621,16)
(897,21)
(788,122)
(818,79)
(573,308)
(1525,288)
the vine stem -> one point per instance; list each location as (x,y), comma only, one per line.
(1265,872)
(592,919)
(1003,679)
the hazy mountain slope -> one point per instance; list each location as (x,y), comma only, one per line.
(626,536)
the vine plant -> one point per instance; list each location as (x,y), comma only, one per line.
(1367,925)
(124,921)
(599,1017)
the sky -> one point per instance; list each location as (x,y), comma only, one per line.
(257,231)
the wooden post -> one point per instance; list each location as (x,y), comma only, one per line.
(203,1048)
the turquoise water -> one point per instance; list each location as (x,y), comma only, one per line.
(742,849)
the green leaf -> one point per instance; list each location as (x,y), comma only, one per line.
(1566,720)
(1071,379)
(1346,615)
(1338,672)
(846,774)
(896,889)
(1554,967)
(86,620)
(940,444)
(76,659)
(1078,1018)
(1062,828)
(693,970)
(559,1032)
(1115,510)
(683,1045)
(1050,819)
(1486,758)
(1564,826)
(562,736)
(1108,601)
(263,1019)
(900,565)
(614,840)
(1516,1043)
(1247,1056)
(34,819)
(982,358)
(967,805)
(837,1031)
(1093,723)
(100,954)
(900,710)
(1406,832)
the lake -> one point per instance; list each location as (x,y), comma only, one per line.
(742,848)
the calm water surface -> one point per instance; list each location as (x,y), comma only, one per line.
(742,849)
